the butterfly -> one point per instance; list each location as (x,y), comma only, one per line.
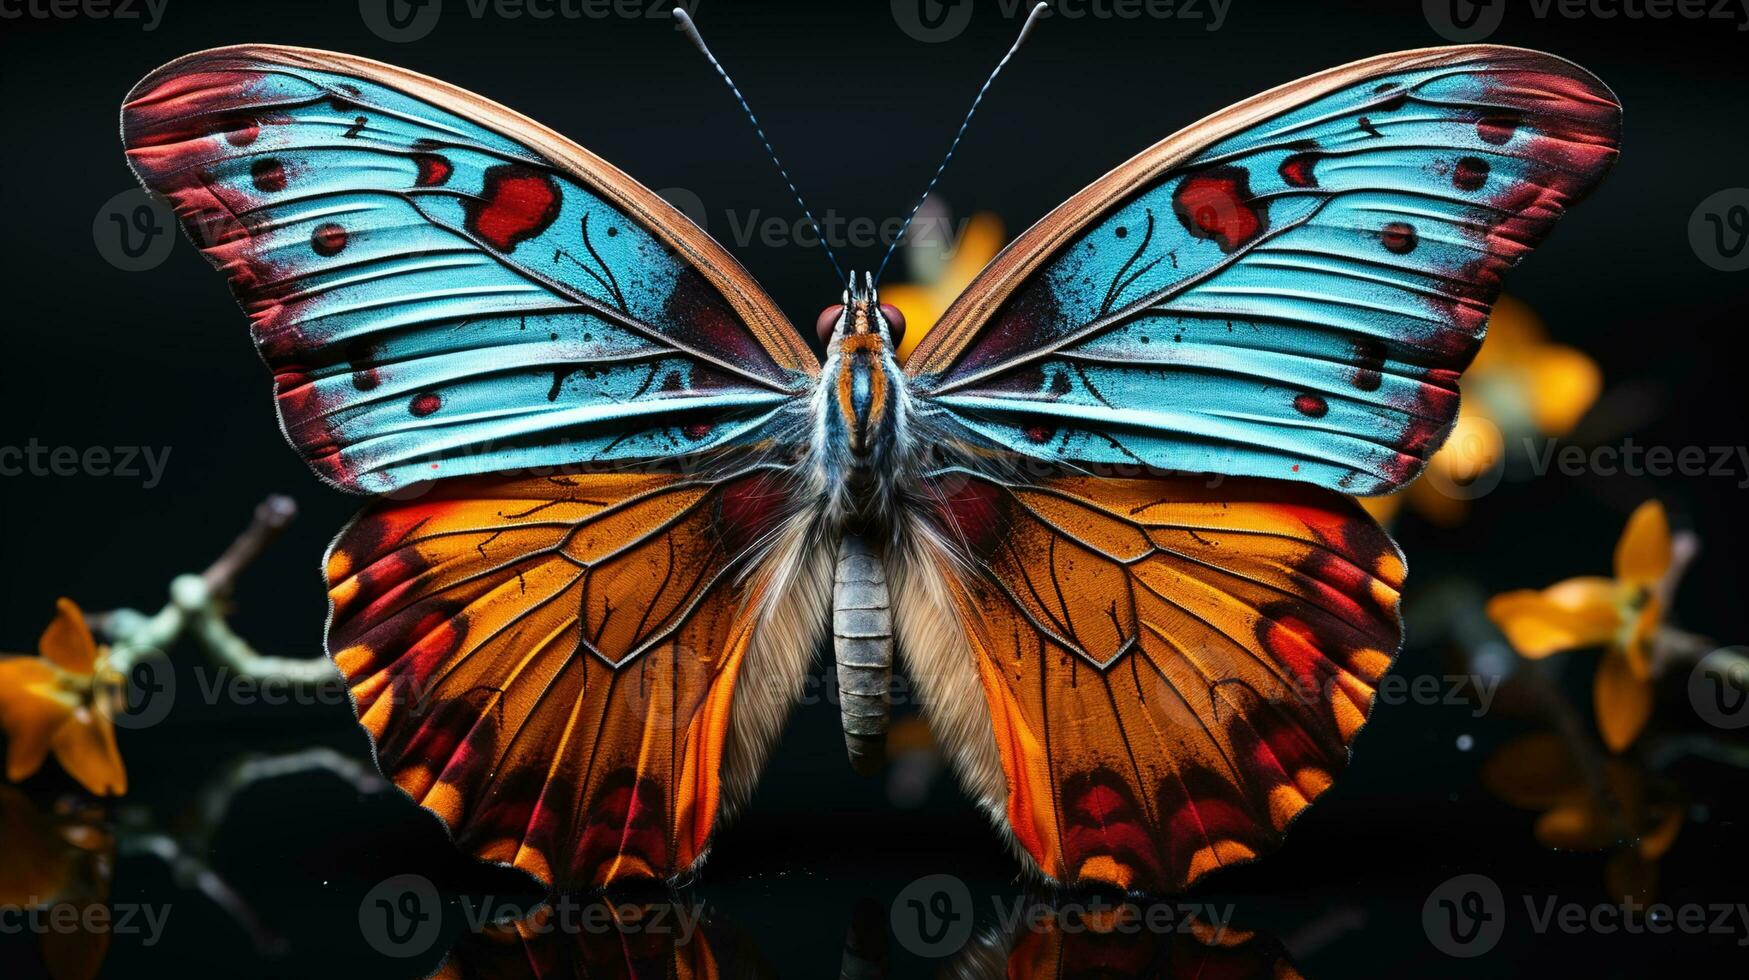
(1103,510)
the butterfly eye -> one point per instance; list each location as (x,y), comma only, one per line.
(895,322)
(828,321)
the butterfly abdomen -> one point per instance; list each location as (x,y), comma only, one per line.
(862,644)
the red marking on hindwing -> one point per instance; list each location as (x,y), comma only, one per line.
(1102,818)
(973,513)
(748,510)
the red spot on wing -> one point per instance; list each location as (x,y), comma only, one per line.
(329,239)
(434,170)
(1299,170)
(1399,238)
(425,403)
(268,175)
(243,133)
(1497,129)
(1470,174)
(1369,356)
(1218,205)
(1311,406)
(517,203)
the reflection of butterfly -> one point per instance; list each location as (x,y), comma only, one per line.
(577,645)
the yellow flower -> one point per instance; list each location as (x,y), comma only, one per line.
(1623,612)
(61,701)
(1519,386)
(924,302)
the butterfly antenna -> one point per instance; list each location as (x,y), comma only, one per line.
(1038,11)
(697,39)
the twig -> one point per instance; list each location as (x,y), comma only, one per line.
(272,516)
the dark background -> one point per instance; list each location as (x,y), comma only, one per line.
(93,356)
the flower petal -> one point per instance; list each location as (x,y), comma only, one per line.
(31,713)
(1623,702)
(1579,612)
(977,245)
(1658,840)
(1642,556)
(85,747)
(1578,825)
(1534,771)
(67,643)
(1562,383)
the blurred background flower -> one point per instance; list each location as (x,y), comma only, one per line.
(1520,389)
(61,701)
(939,267)
(1621,613)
